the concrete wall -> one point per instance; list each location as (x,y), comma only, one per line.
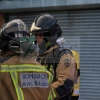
(2,20)
(15,5)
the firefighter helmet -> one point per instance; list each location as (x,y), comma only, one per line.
(48,26)
(14,35)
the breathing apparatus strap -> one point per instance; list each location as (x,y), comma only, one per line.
(57,54)
(54,61)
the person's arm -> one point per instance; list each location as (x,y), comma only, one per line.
(66,73)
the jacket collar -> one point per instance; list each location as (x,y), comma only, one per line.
(49,52)
(52,48)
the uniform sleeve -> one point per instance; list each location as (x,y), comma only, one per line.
(66,73)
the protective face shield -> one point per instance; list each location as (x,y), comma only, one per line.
(47,25)
(14,36)
(24,46)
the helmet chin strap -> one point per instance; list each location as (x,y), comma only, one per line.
(42,47)
(45,45)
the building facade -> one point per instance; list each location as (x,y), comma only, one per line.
(2,20)
(80,23)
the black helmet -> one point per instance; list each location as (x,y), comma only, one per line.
(47,24)
(14,36)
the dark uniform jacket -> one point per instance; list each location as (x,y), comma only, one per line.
(65,71)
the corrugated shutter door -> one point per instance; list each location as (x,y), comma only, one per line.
(81,30)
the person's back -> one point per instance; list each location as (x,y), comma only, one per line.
(24,75)
(21,77)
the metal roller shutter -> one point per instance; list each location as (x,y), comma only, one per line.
(81,30)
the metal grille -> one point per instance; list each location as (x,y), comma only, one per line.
(81,30)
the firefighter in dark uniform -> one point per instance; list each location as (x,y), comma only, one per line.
(21,77)
(53,56)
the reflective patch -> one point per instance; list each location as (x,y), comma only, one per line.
(34,80)
(76,81)
(76,91)
(48,44)
(21,26)
(67,62)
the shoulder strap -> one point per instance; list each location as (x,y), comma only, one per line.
(61,53)
(2,59)
(57,57)
(68,51)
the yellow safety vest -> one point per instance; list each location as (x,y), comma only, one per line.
(77,82)
(14,69)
